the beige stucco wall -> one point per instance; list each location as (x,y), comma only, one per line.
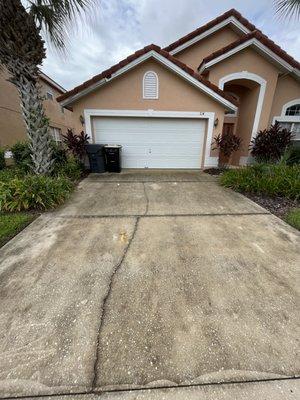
(287,89)
(193,55)
(250,61)
(125,93)
(12,127)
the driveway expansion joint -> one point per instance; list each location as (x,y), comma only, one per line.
(103,306)
(153,181)
(101,216)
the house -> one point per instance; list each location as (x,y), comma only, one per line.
(164,106)
(12,127)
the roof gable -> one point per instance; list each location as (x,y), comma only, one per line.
(266,47)
(231,17)
(51,82)
(138,57)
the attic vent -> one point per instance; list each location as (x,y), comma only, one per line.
(150,85)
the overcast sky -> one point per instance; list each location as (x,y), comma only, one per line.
(117,28)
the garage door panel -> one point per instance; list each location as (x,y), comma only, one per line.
(153,142)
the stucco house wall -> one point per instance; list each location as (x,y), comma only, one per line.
(12,127)
(287,89)
(194,54)
(126,93)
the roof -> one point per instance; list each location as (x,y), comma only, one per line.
(51,82)
(262,39)
(107,74)
(231,13)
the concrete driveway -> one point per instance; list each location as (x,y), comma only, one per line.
(151,279)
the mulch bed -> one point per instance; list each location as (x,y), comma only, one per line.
(214,171)
(277,205)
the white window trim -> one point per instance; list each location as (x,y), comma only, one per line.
(230,20)
(287,105)
(57,134)
(164,61)
(157,86)
(210,116)
(290,119)
(263,85)
(51,93)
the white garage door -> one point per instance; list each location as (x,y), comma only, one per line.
(153,142)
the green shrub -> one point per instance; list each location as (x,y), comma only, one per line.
(10,173)
(22,155)
(293,156)
(72,169)
(59,154)
(2,158)
(33,192)
(265,179)
(293,218)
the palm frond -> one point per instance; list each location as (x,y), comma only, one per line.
(21,47)
(288,8)
(55,17)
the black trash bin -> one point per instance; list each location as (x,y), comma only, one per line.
(96,156)
(113,157)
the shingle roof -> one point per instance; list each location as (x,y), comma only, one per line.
(108,73)
(261,38)
(209,25)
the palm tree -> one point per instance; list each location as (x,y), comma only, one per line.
(22,51)
(288,8)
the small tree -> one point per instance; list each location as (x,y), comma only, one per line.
(22,51)
(227,143)
(270,144)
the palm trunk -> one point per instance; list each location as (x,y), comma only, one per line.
(37,124)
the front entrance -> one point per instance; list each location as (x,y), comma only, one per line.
(228,128)
(245,122)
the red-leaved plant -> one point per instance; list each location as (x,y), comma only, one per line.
(270,144)
(227,143)
(76,143)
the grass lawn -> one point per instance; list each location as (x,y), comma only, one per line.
(293,218)
(13,223)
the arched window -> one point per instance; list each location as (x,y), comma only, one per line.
(150,86)
(290,118)
(293,110)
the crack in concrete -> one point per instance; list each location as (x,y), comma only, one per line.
(147,199)
(99,392)
(103,306)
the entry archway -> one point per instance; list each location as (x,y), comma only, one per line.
(250,88)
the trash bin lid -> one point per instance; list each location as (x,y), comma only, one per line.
(118,146)
(94,148)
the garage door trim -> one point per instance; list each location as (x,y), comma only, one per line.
(210,116)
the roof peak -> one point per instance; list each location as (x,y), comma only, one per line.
(256,34)
(107,74)
(230,13)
